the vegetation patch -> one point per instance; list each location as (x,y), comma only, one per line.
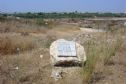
(100,51)
(11,44)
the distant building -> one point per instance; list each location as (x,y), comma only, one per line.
(18,18)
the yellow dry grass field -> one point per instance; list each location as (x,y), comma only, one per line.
(25,58)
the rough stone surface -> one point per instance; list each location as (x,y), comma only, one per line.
(56,60)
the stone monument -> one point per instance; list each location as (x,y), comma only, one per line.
(65,53)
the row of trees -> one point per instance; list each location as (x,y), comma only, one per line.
(66,15)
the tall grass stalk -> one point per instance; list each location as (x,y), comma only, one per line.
(91,61)
(110,51)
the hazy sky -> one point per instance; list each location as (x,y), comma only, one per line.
(63,5)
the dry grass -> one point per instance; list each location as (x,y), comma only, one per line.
(91,61)
(32,68)
(101,50)
(10,44)
(19,27)
(49,40)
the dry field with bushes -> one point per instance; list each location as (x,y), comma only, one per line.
(23,42)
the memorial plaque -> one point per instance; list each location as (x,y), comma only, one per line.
(66,49)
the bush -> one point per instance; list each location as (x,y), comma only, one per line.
(2,18)
(40,22)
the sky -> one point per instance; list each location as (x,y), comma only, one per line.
(62,5)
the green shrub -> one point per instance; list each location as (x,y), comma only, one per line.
(40,22)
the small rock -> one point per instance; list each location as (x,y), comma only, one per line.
(16,68)
(41,56)
(56,74)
